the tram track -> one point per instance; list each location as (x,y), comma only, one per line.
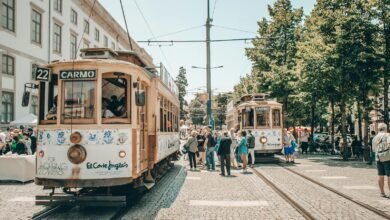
(343,195)
(48,211)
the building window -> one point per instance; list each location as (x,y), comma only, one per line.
(7,103)
(73,16)
(36,27)
(113,45)
(57,38)
(73,46)
(8,65)
(97,35)
(34,105)
(86,27)
(105,41)
(58,5)
(8,15)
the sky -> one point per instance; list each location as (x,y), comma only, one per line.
(188,17)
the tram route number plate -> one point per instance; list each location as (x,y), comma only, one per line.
(42,74)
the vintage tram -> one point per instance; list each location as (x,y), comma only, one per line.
(261,115)
(105,120)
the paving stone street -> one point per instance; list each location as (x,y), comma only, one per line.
(185,194)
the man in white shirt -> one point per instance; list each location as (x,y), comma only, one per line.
(383,167)
(304,138)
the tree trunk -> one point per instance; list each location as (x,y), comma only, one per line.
(386,68)
(366,117)
(344,128)
(313,108)
(386,96)
(359,120)
(332,121)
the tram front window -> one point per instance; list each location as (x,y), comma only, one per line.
(275,117)
(247,118)
(79,99)
(262,117)
(115,96)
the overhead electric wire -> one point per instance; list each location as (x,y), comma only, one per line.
(199,41)
(151,32)
(215,4)
(234,29)
(176,32)
(127,29)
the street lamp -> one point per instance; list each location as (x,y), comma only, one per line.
(209,109)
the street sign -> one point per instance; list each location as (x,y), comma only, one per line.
(77,74)
(42,74)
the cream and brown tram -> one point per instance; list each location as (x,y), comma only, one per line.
(263,116)
(104,121)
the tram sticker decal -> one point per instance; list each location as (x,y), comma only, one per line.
(167,144)
(60,137)
(92,138)
(108,166)
(107,137)
(122,138)
(52,168)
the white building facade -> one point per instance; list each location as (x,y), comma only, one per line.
(37,32)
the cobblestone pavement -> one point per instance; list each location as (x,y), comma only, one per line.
(17,200)
(207,195)
(353,178)
(321,203)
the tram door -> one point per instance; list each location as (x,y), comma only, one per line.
(144,131)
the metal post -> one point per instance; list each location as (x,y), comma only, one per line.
(208,66)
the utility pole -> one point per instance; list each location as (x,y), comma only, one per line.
(208,66)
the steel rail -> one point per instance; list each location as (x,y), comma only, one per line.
(305,213)
(46,212)
(349,198)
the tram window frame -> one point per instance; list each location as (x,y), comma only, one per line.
(279,117)
(73,120)
(243,116)
(128,90)
(267,121)
(52,91)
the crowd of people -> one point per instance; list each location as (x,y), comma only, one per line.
(18,141)
(232,149)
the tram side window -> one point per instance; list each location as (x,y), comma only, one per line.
(247,119)
(275,117)
(48,100)
(115,96)
(262,117)
(79,99)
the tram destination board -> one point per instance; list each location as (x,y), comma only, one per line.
(41,74)
(77,74)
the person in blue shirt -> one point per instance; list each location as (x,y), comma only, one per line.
(243,150)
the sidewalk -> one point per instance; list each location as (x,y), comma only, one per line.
(207,195)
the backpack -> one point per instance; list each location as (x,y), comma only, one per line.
(383,151)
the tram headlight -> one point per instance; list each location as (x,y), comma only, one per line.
(263,140)
(122,154)
(41,153)
(77,154)
(75,137)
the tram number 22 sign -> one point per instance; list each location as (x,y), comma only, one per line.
(42,74)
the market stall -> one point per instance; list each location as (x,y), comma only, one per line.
(17,167)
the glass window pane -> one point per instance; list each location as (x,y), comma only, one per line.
(114,98)
(79,99)
(262,118)
(276,117)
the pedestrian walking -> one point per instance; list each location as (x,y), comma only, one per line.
(224,153)
(192,144)
(201,149)
(304,138)
(243,150)
(383,167)
(233,147)
(371,154)
(251,147)
(210,144)
(287,146)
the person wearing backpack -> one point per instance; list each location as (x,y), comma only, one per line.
(210,144)
(381,141)
(251,146)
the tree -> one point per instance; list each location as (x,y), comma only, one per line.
(197,111)
(222,101)
(274,52)
(181,82)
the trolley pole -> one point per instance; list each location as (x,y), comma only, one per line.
(208,67)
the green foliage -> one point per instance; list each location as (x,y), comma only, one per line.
(181,82)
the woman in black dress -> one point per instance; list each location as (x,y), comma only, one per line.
(202,150)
